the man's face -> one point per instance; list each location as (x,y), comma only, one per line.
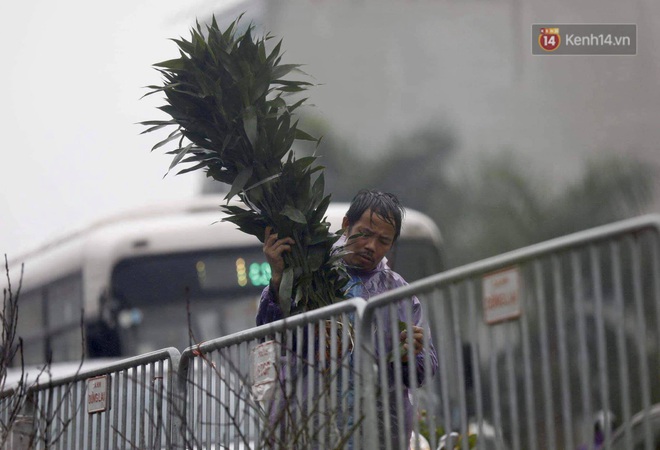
(377,237)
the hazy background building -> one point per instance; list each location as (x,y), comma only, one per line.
(451,94)
(389,67)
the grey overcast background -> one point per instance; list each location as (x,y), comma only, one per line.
(73,72)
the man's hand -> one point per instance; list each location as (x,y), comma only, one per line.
(418,342)
(273,249)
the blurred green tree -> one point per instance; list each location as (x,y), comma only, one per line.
(503,204)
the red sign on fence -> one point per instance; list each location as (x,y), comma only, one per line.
(501,295)
(98,394)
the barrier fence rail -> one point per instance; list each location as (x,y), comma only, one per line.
(236,396)
(532,346)
(126,404)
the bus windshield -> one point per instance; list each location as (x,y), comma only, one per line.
(181,299)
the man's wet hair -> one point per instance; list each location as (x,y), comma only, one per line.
(383,204)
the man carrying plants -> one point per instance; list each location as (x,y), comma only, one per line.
(371,226)
(226,98)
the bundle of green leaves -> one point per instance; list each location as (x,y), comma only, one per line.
(226,98)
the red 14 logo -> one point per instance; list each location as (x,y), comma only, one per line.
(549,39)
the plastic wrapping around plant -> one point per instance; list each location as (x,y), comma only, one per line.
(226,98)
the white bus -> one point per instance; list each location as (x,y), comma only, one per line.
(166,275)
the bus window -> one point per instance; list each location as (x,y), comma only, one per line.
(66,345)
(63,304)
(64,301)
(30,327)
(153,293)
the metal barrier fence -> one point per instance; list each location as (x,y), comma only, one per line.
(236,396)
(531,345)
(534,343)
(128,404)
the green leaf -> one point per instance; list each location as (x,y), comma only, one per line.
(174,135)
(291,89)
(315,259)
(172,64)
(320,210)
(299,165)
(299,297)
(317,192)
(192,169)
(250,126)
(264,181)
(274,53)
(294,214)
(282,70)
(301,135)
(240,182)
(180,155)
(286,289)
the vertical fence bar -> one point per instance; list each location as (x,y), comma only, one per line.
(548,397)
(151,415)
(475,352)
(622,352)
(302,366)
(347,388)
(140,413)
(530,404)
(107,414)
(49,415)
(383,387)
(82,413)
(196,425)
(207,386)
(641,337)
(413,394)
(443,369)
(116,402)
(430,393)
(134,396)
(394,342)
(603,378)
(359,372)
(98,419)
(177,409)
(291,374)
(333,383)
(567,424)
(460,364)
(513,392)
(161,385)
(583,369)
(311,399)
(493,341)
(69,413)
(219,437)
